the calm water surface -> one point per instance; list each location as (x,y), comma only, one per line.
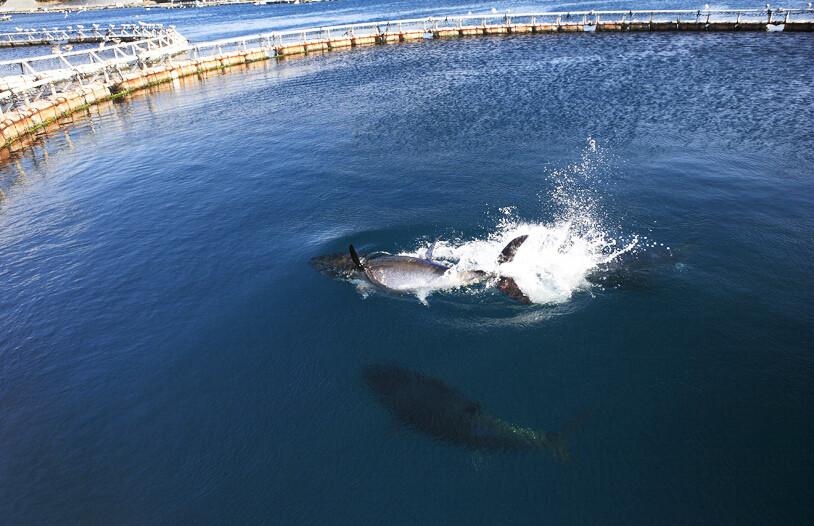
(167,354)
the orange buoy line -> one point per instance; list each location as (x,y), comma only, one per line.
(38,96)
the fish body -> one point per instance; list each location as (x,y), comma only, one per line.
(429,406)
(409,274)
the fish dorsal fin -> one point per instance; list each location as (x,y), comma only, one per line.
(511,249)
(430,251)
(355,257)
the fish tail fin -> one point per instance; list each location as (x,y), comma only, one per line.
(508,252)
(355,257)
(506,284)
(558,445)
(510,288)
(557,441)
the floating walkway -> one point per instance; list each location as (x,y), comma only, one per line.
(158,4)
(61,72)
(80,35)
(48,87)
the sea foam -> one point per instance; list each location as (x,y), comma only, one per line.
(560,254)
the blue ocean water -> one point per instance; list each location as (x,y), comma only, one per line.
(168,355)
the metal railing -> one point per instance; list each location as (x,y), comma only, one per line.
(562,18)
(55,72)
(33,77)
(79,34)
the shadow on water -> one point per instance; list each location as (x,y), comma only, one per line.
(429,406)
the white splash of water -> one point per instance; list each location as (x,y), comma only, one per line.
(558,256)
(552,264)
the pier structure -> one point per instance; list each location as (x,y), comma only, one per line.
(50,86)
(27,80)
(80,34)
(155,4)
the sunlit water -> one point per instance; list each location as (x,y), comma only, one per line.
(168,355)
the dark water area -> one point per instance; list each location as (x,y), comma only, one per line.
(168,355)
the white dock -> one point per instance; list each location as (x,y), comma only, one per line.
(35,91)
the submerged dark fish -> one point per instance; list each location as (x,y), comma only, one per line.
(633,270)
(336,266)
(430,406)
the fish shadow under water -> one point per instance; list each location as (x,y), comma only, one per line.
(429,406)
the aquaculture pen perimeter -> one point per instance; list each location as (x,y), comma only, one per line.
(57,84)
